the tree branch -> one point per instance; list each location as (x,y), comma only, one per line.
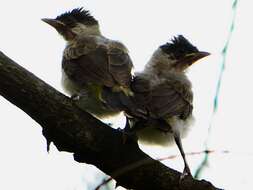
(91,141)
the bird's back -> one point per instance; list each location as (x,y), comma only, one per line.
(97,60)
(167,97)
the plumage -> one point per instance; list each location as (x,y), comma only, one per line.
(91,62)
(160,110)
(170,97)
(98,61)
(178,47)
(167,98)
(78,15)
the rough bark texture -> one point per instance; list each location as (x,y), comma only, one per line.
(91,141)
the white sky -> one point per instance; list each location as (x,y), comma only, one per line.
(142,26)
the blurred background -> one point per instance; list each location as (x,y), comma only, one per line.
(223,119)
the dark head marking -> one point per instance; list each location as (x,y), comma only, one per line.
(78,15)
(179,47)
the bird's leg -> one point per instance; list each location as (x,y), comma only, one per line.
(80,99)
(79,95)
(187,171)
(127,125)
(132,126)
(128,132)
(75,97)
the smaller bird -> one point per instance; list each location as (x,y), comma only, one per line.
(160,110)
(91,62)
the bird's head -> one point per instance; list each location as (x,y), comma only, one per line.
(181,54)
(74,23)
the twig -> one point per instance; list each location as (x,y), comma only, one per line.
(216,98)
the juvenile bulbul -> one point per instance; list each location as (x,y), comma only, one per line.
(91,62)
(161,109)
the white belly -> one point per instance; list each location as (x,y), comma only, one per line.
(151,135)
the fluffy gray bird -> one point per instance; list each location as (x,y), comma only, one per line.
(169,96)
(91,62)
(161,109)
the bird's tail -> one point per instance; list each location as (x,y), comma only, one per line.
(133,106)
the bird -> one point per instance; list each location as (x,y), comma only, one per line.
(160,111)
(91,62)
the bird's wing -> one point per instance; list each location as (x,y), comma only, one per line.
(142,90)
(90,68)
(102,64)
(120,64)
(136,105)
(133,106)
(165,99)
(171,98)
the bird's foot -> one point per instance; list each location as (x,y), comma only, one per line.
(128,136)
(186,173)
(75,97)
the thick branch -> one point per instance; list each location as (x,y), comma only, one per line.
(89,139)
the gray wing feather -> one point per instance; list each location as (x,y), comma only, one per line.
(89,68)
(171,98)
(167,99)
(120,66)
(100,67)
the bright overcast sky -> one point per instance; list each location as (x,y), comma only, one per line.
(142,26)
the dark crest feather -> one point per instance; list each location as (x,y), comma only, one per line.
(80,15)
(178,47)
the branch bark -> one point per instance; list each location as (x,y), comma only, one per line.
(90,140)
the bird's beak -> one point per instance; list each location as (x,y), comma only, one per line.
(194,57)
(59,26)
